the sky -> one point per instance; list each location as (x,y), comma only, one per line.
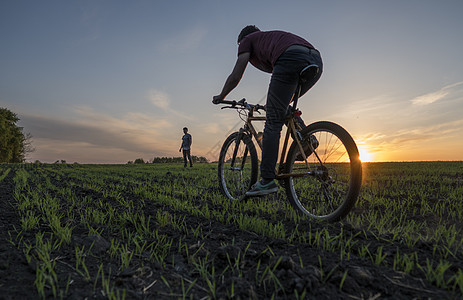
(108,81)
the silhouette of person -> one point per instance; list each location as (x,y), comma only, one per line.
(186,147)
(284,55)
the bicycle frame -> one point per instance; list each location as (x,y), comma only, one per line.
(291,127)
(326,189)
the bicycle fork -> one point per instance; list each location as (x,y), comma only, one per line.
(235,152)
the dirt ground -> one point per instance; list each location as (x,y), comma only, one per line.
(296,267)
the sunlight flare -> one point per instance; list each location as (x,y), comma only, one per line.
(365,155)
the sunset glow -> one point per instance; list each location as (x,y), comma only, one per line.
(110,82)
(364,154)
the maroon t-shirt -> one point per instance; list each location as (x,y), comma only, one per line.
(267,46)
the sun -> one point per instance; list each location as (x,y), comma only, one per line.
(364,154)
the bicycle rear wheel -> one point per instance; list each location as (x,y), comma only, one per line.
(238,166)
(331,188)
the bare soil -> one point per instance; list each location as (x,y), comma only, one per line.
(295,266)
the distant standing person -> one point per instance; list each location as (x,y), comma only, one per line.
(186,147)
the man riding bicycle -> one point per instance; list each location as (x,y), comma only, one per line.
(284,55)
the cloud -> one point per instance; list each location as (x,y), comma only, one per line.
(184,41)
(372,106)
(418,139)
(430,98)
(162,101)
(435,96)
(424,133)
(159,99)
(210,128)
(108,138)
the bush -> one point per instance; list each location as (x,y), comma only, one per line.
(139,161)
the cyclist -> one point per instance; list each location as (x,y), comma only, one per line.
(284,55)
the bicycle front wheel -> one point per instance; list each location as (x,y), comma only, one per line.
(238,166)
(333,177)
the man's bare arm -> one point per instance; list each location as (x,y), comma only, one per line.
(234,78)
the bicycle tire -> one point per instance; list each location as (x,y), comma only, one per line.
(332,191)
(235,181)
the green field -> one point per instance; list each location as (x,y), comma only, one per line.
(160,231)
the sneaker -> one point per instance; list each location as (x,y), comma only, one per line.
(260,189)
(305,145)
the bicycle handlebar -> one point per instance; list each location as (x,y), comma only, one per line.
(241,104)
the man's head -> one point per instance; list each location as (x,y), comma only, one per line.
(247,30)
(185,130)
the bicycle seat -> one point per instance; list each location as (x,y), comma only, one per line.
(308,73)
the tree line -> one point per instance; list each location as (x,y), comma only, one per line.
(14,143)
(160,160)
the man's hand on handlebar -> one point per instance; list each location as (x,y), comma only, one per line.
(217,99)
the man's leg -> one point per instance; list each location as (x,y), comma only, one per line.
(282,87)
(279,95)
(189,158)
(281,90)
(184,158)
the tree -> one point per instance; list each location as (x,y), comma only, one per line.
(28,148)
(14,144)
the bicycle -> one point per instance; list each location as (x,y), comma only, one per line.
(321,172)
